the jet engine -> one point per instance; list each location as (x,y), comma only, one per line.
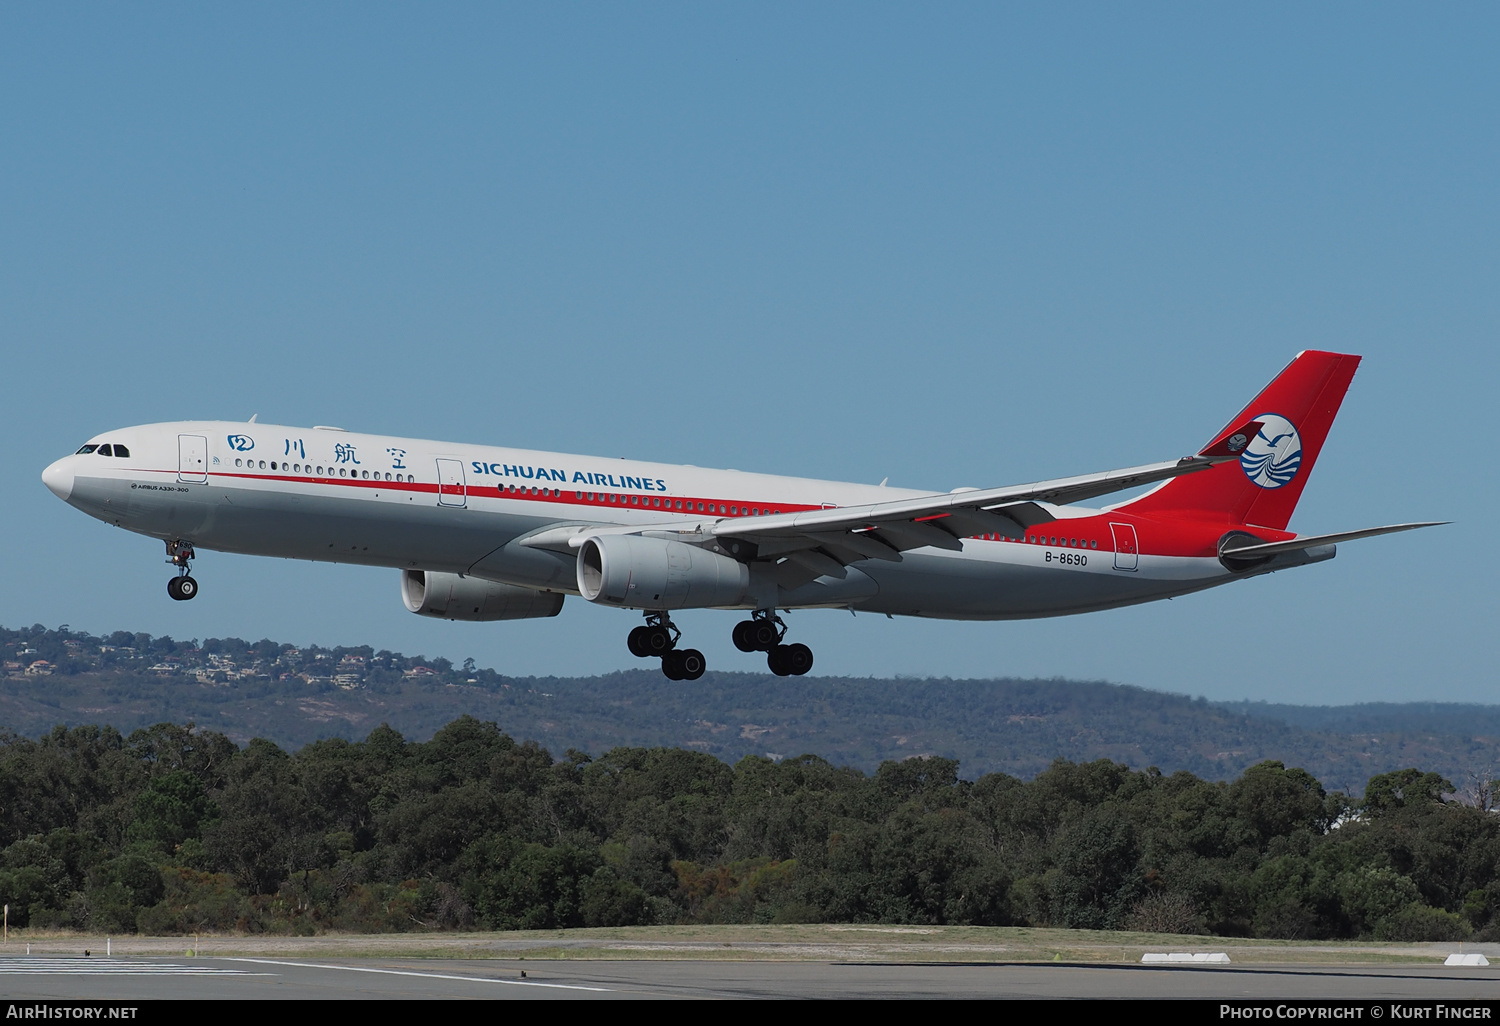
(652,573)
(455,597)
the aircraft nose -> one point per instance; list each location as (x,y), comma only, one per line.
(59,479)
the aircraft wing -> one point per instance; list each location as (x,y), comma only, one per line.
(823,541)
(813,543)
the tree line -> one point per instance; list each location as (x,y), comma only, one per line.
(174,829)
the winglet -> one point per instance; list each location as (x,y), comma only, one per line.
(1231,443)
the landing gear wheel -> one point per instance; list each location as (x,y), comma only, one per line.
(658,640)
(799,658)
(656,637)
(637,642)
(180,554)
(761,634)
(683,664)
(776,660)
(790,660)
(743,639)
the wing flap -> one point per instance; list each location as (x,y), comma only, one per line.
(866,543)
(821,565)
(911,534)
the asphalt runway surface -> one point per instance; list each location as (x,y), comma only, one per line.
(243,979)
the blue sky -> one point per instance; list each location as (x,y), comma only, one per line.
(975,245)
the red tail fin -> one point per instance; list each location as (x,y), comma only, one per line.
(1263,486)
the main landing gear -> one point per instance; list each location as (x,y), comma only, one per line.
(180,554)
(764,633)
(658,636)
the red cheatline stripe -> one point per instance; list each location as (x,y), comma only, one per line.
(1159,537)
(543,495)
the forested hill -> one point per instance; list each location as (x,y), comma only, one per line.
(294,696)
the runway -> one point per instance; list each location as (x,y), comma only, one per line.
(259,979)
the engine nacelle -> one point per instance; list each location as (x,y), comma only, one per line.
(452,597)
(652,573)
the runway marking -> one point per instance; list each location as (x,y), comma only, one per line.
(428,976)
(110,967)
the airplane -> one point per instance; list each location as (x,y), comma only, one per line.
(484,533)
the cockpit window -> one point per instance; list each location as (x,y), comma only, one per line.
(86,448)
(104,450)
(120,450)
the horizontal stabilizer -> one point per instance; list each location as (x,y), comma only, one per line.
(1310,541)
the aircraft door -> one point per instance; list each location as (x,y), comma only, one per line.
(192,459)
(452,489)
(1127,549)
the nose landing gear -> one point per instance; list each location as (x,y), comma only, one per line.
(764,633)
(180,554)
(658,636)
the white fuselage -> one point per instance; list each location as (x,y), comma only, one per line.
(337,496)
